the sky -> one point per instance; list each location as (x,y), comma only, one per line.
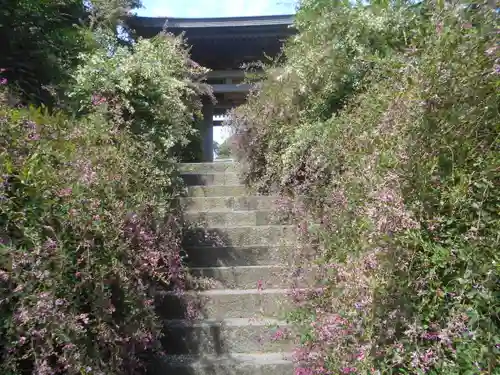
(216,8)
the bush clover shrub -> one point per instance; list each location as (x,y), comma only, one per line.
(87,231)
(380,134)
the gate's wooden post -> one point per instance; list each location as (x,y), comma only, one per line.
(208,131)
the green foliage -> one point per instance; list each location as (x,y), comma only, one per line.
(86,229)
(109,13)
(78,203)
(382,129)
(41,42)
(147,86)
(224,151)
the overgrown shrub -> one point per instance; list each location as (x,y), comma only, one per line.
(381,134)
(87,232)
(224,151)
(150,88)
(41,41)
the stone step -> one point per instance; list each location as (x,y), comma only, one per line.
(217,337)
(214,167)
(232,219)
(231,364)
(228,160)
(244,277)
(217,191)
(224,303)
(227,204)
(260,277)
(241,236)
(237,256)
(206,179)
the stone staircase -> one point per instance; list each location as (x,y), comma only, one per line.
(236,243)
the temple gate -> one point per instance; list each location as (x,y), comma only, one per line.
(223,45)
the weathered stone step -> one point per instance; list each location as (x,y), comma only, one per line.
(225,303)
(232,219)
(241,335)
(227,204)
(214,167)
(241,236)
(204,179)
(237,256)
(217,191)
(231,364)
(244,277)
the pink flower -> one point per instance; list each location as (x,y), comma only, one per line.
(348,370)
(4,276)
(69,346)
(98,99)
(34,136)
(303,371)
(111,309)
(303,227)
(50,244)
(431,336)
(3,81)
(491,51)
(278,335)
(65,192)
(84,318)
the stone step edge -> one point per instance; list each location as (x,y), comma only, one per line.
(216,161)
(228,292)
(222,162)
(243,358)
(229,212)
(228,196)
(250,195)
(244,196)
(235,256)
(202,173)
(249,267)
(191,247)
(240,212)
(240,248)
(243,248)
(191,200)
(191,187)
(266,226)
(226,322)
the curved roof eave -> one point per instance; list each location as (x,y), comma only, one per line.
(220,22)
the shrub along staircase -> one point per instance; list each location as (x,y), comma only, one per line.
(234,241)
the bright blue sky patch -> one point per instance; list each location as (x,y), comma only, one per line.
(216,8)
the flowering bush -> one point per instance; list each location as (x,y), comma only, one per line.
(380,133)
(55,33)
(86,229)
(150,88)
